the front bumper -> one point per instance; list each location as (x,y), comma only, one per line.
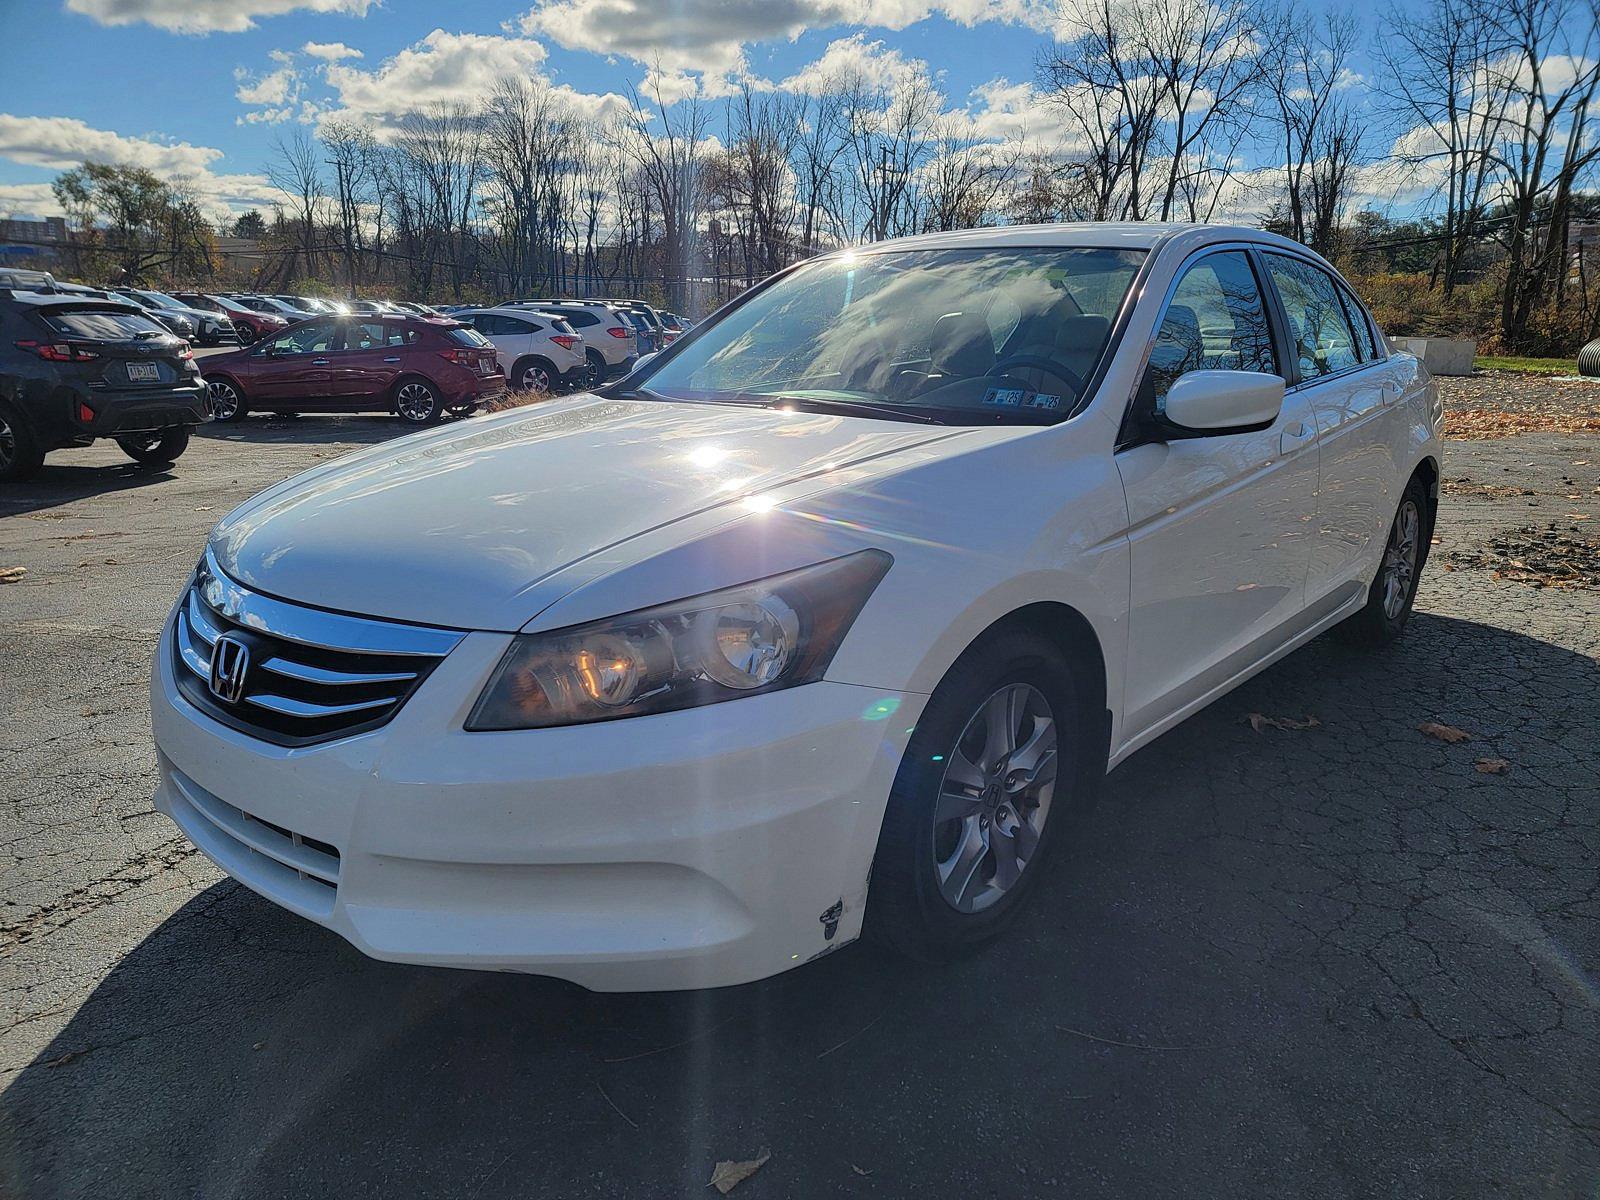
(700,848)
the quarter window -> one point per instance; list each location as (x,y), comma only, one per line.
(1318,330)
(1359,322)
(1215,321)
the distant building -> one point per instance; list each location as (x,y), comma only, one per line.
(24,239)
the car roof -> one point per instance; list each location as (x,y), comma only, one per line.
(73,300)
(1113,235)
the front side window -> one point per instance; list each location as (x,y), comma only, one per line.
(1215,321)
(311,337)
(963,336)
(1318,329)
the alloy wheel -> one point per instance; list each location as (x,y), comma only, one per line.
(224,400)
(8,444)
(534,378)
(415,402)
(1400,558)
(994,797)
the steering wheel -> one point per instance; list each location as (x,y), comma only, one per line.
(1040,363)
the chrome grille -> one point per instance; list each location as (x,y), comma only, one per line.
(309,676)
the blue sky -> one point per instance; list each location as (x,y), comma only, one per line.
(199,89)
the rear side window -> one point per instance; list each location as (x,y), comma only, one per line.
(1214,322)
(1318,329)
(106,326)
(582,320)
(1359,323)
(461,335)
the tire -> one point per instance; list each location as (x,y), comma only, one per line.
(916,902)
(226,400)
(21,456)
(533,374)
(594,371)
(1394,589)
(417,402)
(159,448)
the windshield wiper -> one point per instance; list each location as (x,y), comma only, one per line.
(836,407)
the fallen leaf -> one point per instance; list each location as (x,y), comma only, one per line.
(64,1059)
(728,1174)
(1261,723)
(1445,733)
(860,1171)
(12,574)
(1491,766)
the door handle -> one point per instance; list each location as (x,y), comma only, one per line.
(1293,436)
(1391,391)
(392,359)
(319,362)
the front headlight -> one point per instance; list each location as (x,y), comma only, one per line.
(757,637)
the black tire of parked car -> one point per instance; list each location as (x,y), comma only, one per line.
(595,372)
(227,401)
(158,448)
(20,453)
(533,374)
(417,402)
(905,908)
(1376,624)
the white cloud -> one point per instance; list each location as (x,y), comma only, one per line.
(59,143)
(855,58)
(330,51)
(709,36)
(207,16)
(28,200)
(441,67)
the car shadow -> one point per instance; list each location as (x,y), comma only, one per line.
(1207,987)
(61,481)
(311,429)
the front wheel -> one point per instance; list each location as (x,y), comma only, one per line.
(227,402)
(156,448)
(594,372)
(417,403)
(1002,760)
(1394,590)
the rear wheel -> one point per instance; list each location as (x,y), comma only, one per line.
(227,402)
(533,375)
(417,403)
(20,453)
(1001,761)
(156,448)
(594,373)
(1394,589)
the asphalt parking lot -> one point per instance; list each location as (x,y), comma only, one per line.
(1335,959)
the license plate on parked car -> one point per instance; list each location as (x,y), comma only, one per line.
(143,372)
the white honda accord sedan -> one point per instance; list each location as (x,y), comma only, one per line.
(829,619)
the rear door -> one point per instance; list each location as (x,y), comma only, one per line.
(293,365)
(369,361)
(1351,393)
(1220,526)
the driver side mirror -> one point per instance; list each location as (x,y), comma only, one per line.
(1204,403)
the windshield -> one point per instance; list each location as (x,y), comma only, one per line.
(962,336)
(162,300)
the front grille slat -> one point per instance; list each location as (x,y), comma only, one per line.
(300,687)
(288,706)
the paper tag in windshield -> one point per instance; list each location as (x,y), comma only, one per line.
(1044,400)
(1005,397)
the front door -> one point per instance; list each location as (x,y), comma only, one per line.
(1220,527)
(293,365)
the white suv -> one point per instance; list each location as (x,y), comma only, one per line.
(610,343)
(830,618)
(537,351)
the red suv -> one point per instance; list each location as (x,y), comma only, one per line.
(420,368)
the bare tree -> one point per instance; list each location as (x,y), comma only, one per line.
(353,154)
(667,142)
(964,178)
(296,171)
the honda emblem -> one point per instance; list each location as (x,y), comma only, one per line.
(230,661)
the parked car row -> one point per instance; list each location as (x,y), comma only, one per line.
(295,354)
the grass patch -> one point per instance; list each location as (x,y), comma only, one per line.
(1526,366)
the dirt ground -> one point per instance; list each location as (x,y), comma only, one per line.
(1338,935)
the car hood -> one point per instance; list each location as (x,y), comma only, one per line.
(456,526)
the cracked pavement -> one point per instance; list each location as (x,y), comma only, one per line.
(1331,961)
